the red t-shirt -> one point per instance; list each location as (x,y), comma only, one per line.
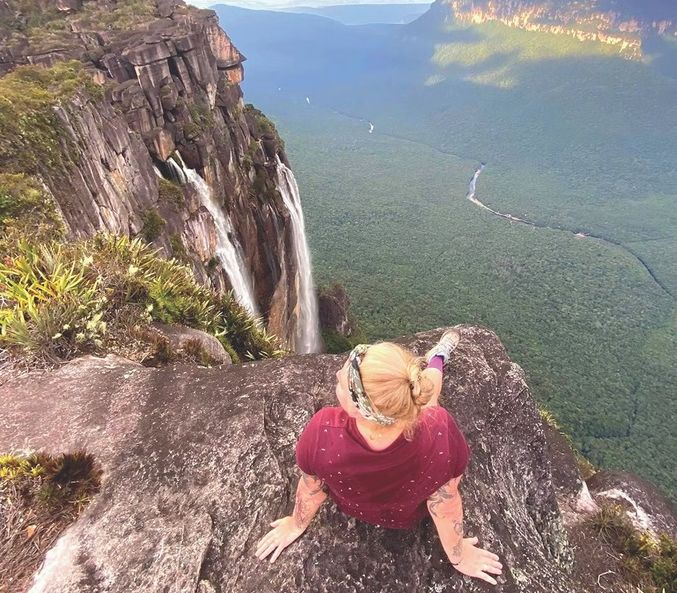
(388,488)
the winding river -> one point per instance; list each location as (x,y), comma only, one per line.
(472,196)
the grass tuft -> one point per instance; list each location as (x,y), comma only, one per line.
(647,563)
(99,295)
(40,495)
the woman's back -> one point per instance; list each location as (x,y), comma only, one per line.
(387,487)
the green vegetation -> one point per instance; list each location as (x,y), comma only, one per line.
(26,209)
(261,126)
(647,563)
(70,478)
(242,336)
(40,495)
(153,224)
(31,135)
(498,48)
(202,120)
(60,300)
(336,343)
(585,468)
(171,192)
(178,248)
(44,23)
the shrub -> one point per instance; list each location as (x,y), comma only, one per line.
(171,192)
(40,496)
(241,332)
(212,263)
(153,224)
(335,343)
(50,309)
(26,209)
(132,272)
(202,119)
(648,563)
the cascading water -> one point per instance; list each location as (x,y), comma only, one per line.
(307,332)
(228,249)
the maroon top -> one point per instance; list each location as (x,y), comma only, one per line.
(388,488)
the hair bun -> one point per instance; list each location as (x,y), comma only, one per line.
(419,384)
(415,380)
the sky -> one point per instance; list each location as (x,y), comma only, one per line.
(272,4)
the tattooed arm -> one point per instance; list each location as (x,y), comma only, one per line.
(310,494)
(446,509)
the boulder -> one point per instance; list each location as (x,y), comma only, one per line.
(193,342)
(197,462)
(647,507)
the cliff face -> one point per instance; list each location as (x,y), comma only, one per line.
(186,496)
(171,108)
(618,24)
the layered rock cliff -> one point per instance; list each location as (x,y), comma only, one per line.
(170,117)
(622,25)
(197,462)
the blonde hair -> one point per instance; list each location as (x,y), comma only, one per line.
(394,381)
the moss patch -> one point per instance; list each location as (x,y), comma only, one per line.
(153,224)
(31,135)
(171,193)
(26,209)
(261,126)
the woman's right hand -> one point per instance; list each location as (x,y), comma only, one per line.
(284,533)
(477,562)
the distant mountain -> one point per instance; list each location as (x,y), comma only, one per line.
(620,23)
(366,14)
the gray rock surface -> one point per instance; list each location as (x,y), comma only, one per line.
(197,462)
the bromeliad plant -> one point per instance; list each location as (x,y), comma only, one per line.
(61,299)
(50,309)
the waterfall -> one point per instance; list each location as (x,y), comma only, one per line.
(307,331)
(228,249)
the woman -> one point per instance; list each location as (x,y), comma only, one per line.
(389,455)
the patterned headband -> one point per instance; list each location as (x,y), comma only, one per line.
(356,388)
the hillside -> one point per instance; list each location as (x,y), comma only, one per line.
(129,118)
(621,24)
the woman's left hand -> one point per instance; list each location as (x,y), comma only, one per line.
(284,533)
